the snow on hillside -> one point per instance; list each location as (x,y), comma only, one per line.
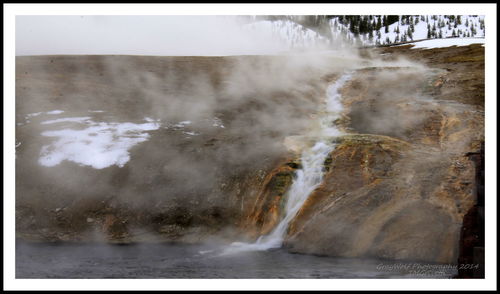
(463,27)
(450,29)
(288,33)
(441,43)
(292,35)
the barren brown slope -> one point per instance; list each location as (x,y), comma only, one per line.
(182,183)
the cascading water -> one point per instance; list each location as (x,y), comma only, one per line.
(311,174)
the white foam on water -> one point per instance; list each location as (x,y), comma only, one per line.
(308,177)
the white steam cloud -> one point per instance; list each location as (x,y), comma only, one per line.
(165,35)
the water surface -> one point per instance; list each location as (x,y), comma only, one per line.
(161,260)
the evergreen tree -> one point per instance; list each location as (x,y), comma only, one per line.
(410,34)
(371,25)
(467,22)
(453,34)
(353,28)
(459,19)
(428,33)
(363,27)
(392,19)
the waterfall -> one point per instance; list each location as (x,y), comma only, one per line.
(309,176)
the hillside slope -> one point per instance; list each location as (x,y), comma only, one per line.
(330,31)
(202,145)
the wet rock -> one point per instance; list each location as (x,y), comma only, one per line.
(402,190)
(268,207)
(379,200)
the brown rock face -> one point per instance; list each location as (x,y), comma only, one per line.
(378,200)
(268,207)
(402,191)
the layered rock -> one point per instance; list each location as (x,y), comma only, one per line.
(383,198)
(401,192)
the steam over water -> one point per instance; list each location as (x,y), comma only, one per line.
(311,174)
(153,261)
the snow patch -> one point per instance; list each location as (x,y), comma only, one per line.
(191,133)
(100,145)
(441,43)
(55,112)
(182,124)
(217,122)
(33,114)
(289,34)
(66,119)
